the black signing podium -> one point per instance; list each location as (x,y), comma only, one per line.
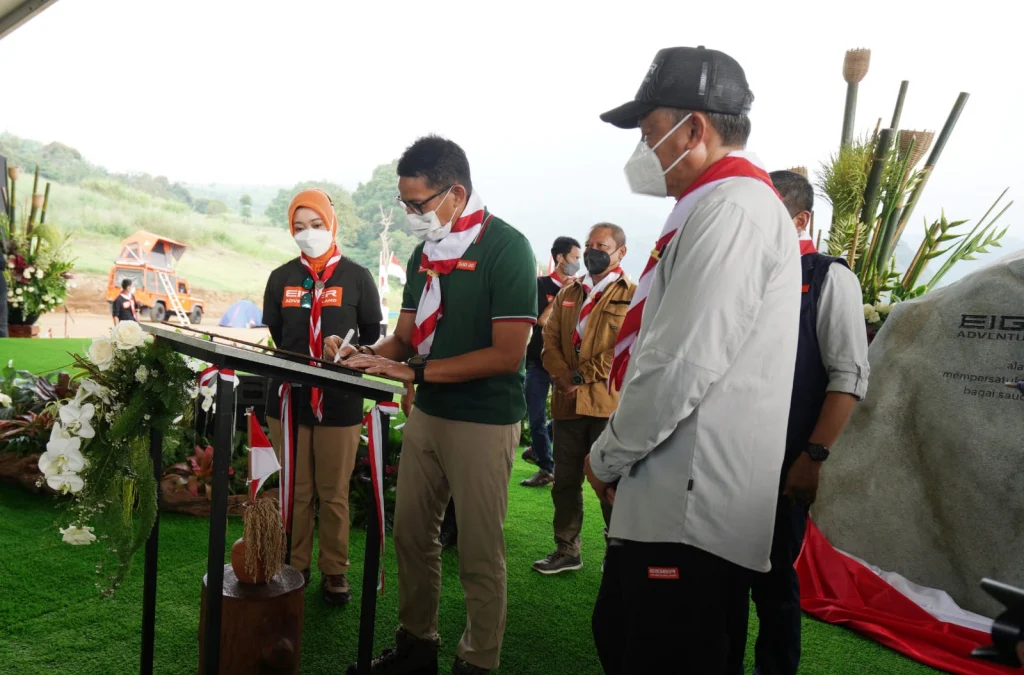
(298,371)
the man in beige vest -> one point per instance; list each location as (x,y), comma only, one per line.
(579,339)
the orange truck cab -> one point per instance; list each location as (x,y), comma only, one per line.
(145,258)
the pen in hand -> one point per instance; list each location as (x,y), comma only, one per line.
(344,343)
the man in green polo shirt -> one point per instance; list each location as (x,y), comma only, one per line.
(468,309)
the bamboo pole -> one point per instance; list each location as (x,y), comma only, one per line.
(899,105)
(248,446)
(13,172)
(855,67)
(46,202)
(867,214)
(933,159)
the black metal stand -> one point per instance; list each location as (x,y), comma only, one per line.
(227,357)
(293,433)
(156,454)
(371,568)
(223,432)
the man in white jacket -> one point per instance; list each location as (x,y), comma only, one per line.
(705,362)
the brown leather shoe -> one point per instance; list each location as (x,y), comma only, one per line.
(540,479)
(335,589)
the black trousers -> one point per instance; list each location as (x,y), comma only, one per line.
(670,608)
(776,595)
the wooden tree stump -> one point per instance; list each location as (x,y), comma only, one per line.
(261,625)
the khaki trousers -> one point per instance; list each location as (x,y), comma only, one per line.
(573,439)
(471,463)
(324,459)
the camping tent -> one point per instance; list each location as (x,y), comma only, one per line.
(242,314)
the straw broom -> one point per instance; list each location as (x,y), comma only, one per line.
(855,67)
(933,159)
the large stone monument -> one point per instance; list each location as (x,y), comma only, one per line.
(928,479)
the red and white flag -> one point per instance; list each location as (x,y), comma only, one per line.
(440,258)
(922,623)
(262,458)
(376,441)
(395,269)
(738,164)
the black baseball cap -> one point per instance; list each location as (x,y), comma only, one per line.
(689,79)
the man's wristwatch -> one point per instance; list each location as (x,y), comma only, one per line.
(817,452)
(577,379)
(418,364)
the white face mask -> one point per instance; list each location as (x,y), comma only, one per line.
(427,226)
(643,170)
(314,243)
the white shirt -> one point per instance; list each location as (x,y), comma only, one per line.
(700,432)
(842,340)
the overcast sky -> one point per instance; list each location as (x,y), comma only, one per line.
(272,92)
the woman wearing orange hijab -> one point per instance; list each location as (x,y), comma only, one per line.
(320,293)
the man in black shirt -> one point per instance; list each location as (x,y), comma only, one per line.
(566,254)
(123,307)
(343,294)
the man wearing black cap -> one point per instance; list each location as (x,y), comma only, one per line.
(704,360)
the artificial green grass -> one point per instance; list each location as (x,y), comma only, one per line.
(41,356)
(52,619)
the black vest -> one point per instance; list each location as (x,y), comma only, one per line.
(810,382)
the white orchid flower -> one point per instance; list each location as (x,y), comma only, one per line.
(883,308)
(5,401)
(63,455)
(77,536)
(91,388)
(194,393)
(76,418)
(66,483)
(207,402)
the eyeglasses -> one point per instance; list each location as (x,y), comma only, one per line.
(417,207)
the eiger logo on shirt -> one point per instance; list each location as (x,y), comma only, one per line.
(292,296)
(331,297)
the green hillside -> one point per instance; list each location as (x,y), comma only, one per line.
(226,252)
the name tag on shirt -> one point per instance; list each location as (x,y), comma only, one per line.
(568,303)
(466,265)
(805,288)
(665,573)
(550,297)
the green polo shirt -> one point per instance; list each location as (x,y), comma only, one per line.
(496,281)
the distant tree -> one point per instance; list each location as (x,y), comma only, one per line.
(216,207)
(245,201)
(201,204)
(380,191)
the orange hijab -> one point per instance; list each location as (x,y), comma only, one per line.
(321,204)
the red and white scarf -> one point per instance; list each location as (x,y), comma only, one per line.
(316,342)
(556,279)
(736,164)
(806,243)
(441,257)
(594,294)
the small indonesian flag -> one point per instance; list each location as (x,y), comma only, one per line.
(395,269)
(262,458)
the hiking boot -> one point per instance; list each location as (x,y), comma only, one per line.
(540,479)
(460,667)
(528,456)
(306,574)
(410,656)
(335,589)
(558,562)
